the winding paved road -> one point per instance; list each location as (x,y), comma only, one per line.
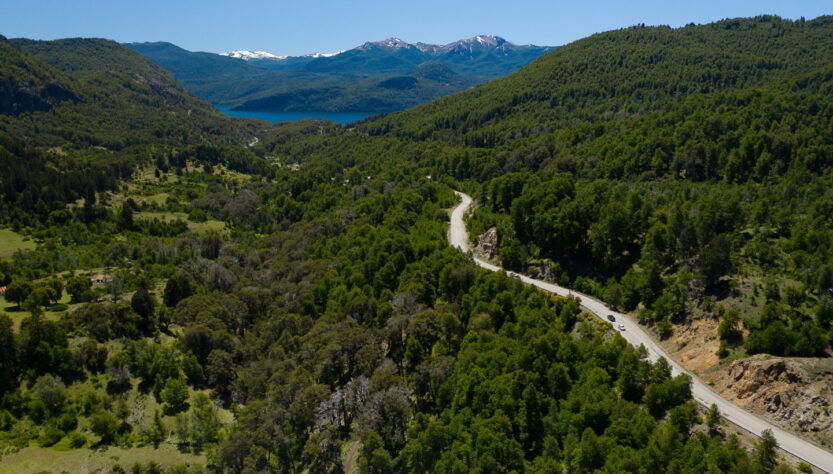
(634,334)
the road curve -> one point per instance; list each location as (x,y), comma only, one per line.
(635,335)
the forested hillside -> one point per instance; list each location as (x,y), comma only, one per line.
(645,165)
(294,306)
(223,80)
(124,100)
(98,109)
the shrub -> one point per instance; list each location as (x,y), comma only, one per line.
(77,440)
(197,215)
(175,395)
(723,350)
(664,328)
(104,425)
(50,436)
(67,421)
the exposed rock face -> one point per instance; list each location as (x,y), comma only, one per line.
(487,246)
(546,271)
(157,84)
(783,391)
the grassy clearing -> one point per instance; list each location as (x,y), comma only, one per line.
(38,459)
(198,227)
(19,315)
(11,241)
(160,199)
(141,406)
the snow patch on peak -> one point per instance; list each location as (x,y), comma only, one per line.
(247,55)
(485,40)
(477,43)
(394,43)
(323,55)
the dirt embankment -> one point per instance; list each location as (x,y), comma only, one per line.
(796,394)
(694,344)
(793,393)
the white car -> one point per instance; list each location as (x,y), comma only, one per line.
(621,327)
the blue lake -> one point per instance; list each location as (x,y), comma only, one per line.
(275,117)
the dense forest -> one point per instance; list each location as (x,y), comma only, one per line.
(293,305)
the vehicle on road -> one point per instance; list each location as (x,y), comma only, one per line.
(621,327)
(611,318)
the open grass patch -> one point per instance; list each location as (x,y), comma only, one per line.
(38,459)
(11,241)
(197,227)
(53,312)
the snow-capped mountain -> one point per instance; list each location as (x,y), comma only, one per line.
(264,55)
(479,42)
(249,55)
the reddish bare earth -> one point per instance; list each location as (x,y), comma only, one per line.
(794,393)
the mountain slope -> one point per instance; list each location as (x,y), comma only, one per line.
(422,84)
(80,115)
(354,80)
(636,69)
(26,86)
(228,80)
(122,99)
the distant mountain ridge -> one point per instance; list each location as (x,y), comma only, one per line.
(396,56)
(376,76)
(484,41)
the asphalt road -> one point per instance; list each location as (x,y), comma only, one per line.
(635,335)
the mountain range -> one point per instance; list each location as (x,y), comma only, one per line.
(380,76)
(483,56)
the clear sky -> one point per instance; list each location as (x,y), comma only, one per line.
(300,27)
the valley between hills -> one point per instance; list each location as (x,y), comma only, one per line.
(187,292)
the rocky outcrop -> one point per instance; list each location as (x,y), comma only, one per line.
(157,84)
(781,389)
(487,245)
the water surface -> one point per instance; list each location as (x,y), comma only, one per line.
(275,117)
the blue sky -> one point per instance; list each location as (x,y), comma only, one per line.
(299,27)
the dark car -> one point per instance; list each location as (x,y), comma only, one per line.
(611,318)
